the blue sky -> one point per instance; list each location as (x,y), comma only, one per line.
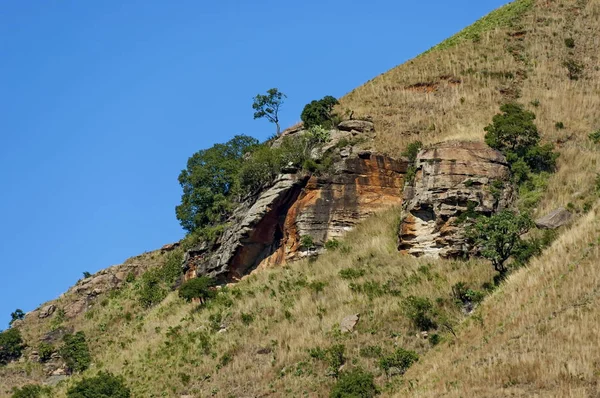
(101,104)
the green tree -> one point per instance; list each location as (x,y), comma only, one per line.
(210,182)
(16,316)
(11,345)
(499,237)
(75,352)
(197,288)
(104,385)
(512,131)
(318,113)
(268,106)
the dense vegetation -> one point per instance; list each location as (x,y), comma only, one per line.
(104,385)
(11,345)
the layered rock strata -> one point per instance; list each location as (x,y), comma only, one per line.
(299,213)
(451,179)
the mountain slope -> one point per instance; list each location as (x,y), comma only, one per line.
(276,332)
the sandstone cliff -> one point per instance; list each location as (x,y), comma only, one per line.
(300,211)
(451,179)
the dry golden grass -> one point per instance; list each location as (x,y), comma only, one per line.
(537,336)
(290,316)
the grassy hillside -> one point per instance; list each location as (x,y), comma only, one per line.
(276,333)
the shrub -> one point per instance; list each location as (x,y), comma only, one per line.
(595,137)
(197,288)
(318,113)
(30,391)
(351,273)
(45,351)
(75,352)
(401,359)
(574,68)
(155,284)
(421,312)
(559,125)
(307,242)
(465,295)
(104,385)
(86,274)
(541,158)
(332,244)
(371,351)
(11,345)
(334,356)
(570,42)
(247,318)
(412,150)
(354,384)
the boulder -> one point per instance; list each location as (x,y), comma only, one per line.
(362,126)
(46,311)
(554,219)
(348,323)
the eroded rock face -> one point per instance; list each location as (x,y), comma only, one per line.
(451,179)
(270,230)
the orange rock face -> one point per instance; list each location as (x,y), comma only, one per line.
(271,230)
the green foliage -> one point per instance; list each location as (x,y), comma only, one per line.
(307,241)
(75,352)
(412,150)
(11,345)
(574,69)
(31,391)
(595,137)
(210,183)
(371,351)
(154,285)
(16,316)
(421,312)
(532,190)
(570,42)
(86,274)
(465,295)
(354,384)
(497,237)
(507,16)
(333,244)
(525,250)
(318,113)
(268,106)
(247,319)
(197,288)
(401,359)
(559,125)
(514,133)
(104,385)
(45,351)
(351,273)
(334,356)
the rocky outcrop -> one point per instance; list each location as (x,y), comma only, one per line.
(299,213)
(451,179)
(554,219)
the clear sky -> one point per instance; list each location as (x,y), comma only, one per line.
(102,102)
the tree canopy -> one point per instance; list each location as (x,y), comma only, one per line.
(498,237)
(318,113)
(210,181)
